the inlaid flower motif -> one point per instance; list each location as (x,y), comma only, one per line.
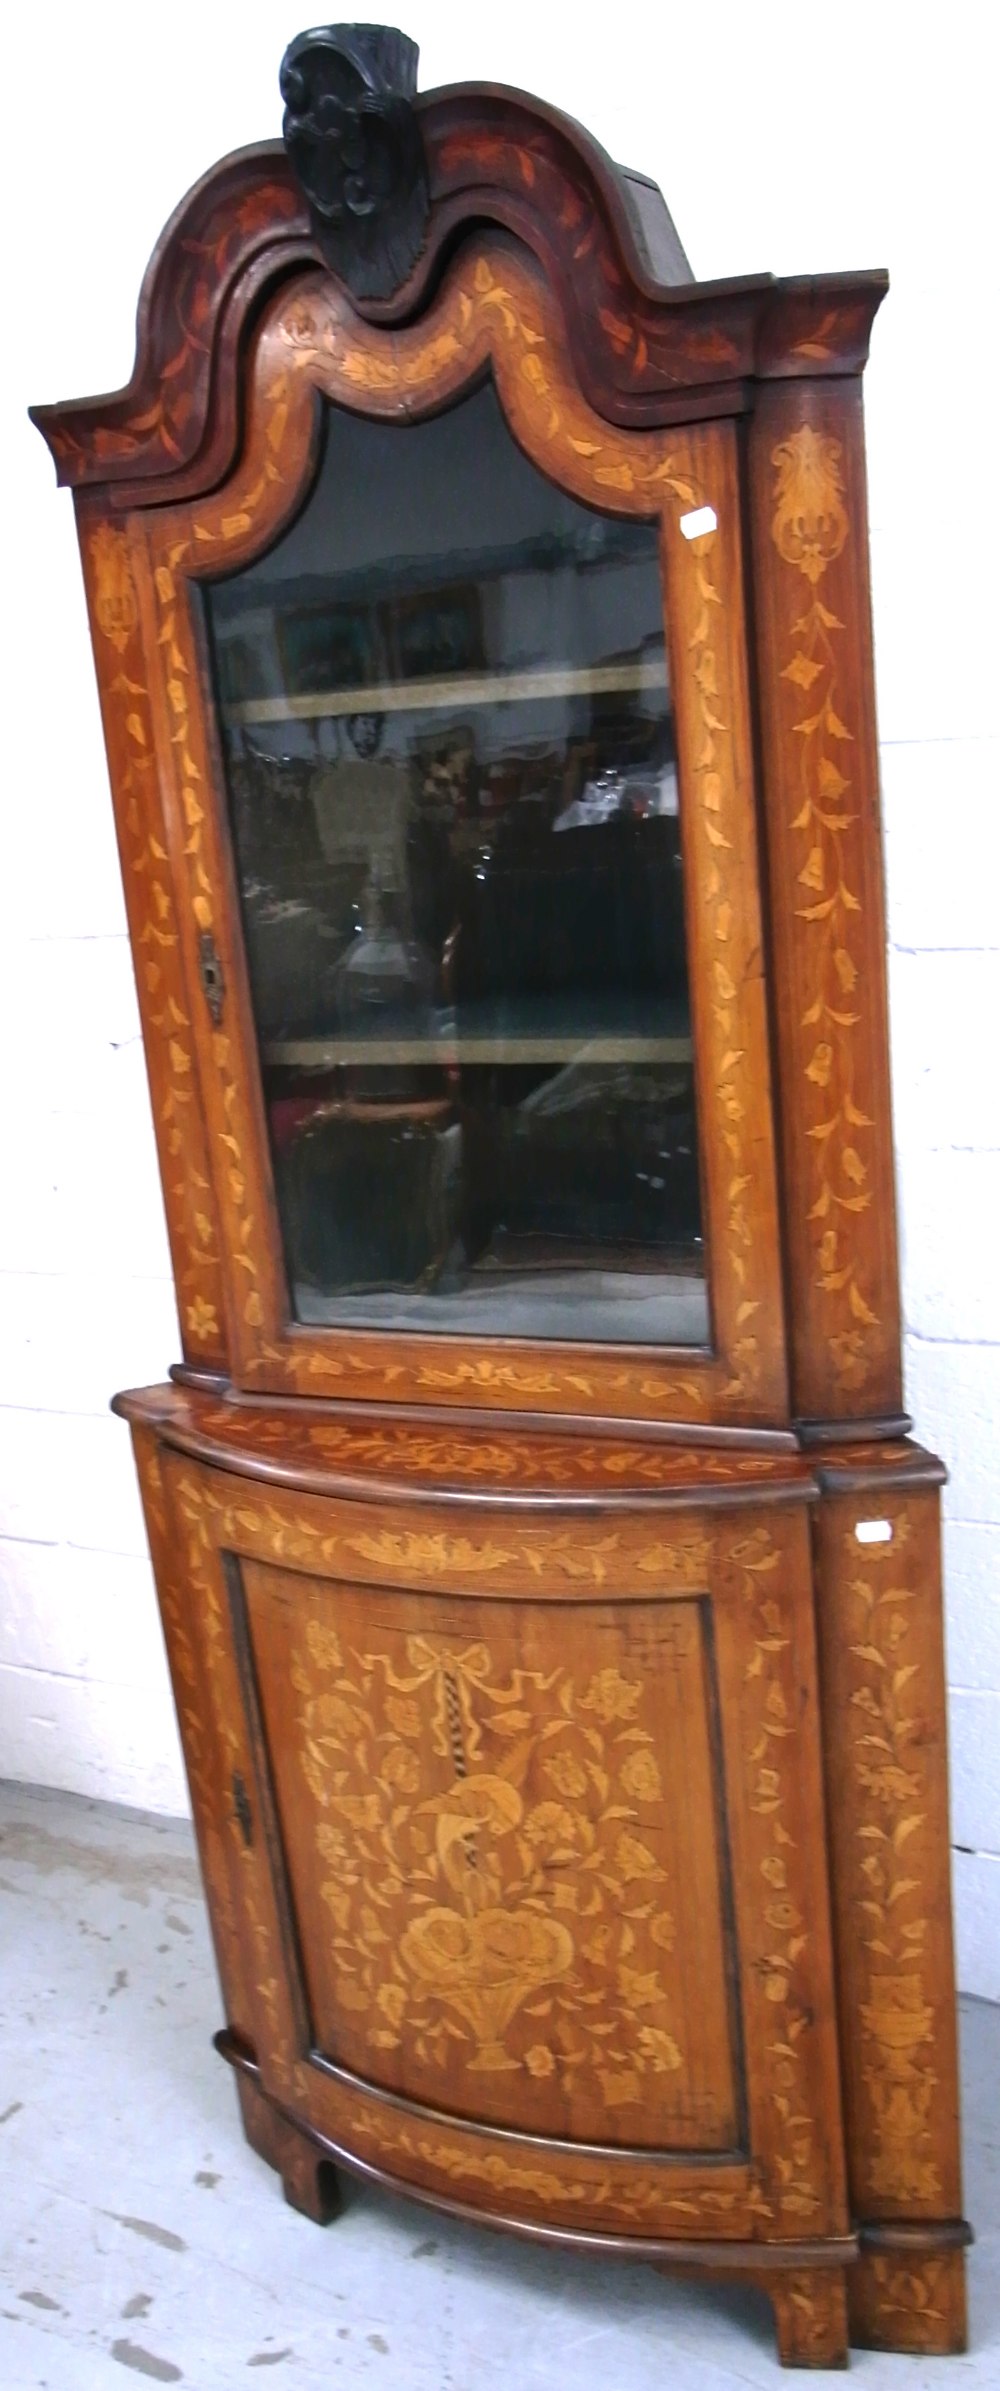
(115,603)
(323,1645)
(809,525)
(402,1714)
(336,1717)
(539,2061)
(401,1769)
(202,1319)
(565,1773)
(549,1823)
(641,1777)
(820,1066)
(611,1696)
(485,1966)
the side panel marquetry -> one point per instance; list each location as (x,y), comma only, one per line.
(884,1722)
(203,1730)
(493,310)
(765,1640)
(827,905)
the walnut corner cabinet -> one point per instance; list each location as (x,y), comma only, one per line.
(480,608)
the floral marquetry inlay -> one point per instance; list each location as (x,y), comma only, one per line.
(155,425)
(810,530)
(511,1553)
(388,1451)
(191,773)
(810,519)
(772,1730)
(898,2017)
(500,1848)
(202,1570)
(115,604)
(499,1814)
(918,2302)
(151,898)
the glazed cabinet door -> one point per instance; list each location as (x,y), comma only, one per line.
(458,792)
(526,1841)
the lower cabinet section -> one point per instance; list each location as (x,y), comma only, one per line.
(512,1822)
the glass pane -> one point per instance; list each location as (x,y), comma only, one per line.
(452,778)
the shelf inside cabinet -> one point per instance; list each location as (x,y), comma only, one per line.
(460,689)
(506,1030)
(665,1305)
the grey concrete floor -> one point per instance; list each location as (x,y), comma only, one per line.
(138,2231)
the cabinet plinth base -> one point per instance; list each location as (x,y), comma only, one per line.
(809,2300)
(908,2296)
(911,2299)
(308,2179)
(810,2316)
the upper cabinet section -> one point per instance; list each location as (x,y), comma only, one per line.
(483,969)
(459,795)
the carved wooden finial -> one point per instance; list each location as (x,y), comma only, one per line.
(356,149)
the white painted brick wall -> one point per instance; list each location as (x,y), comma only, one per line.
(780,142)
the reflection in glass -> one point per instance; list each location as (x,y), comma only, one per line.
(452,778)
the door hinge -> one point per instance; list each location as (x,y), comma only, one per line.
(242,1809)
(213,979)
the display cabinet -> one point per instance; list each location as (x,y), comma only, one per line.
(551,1588)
